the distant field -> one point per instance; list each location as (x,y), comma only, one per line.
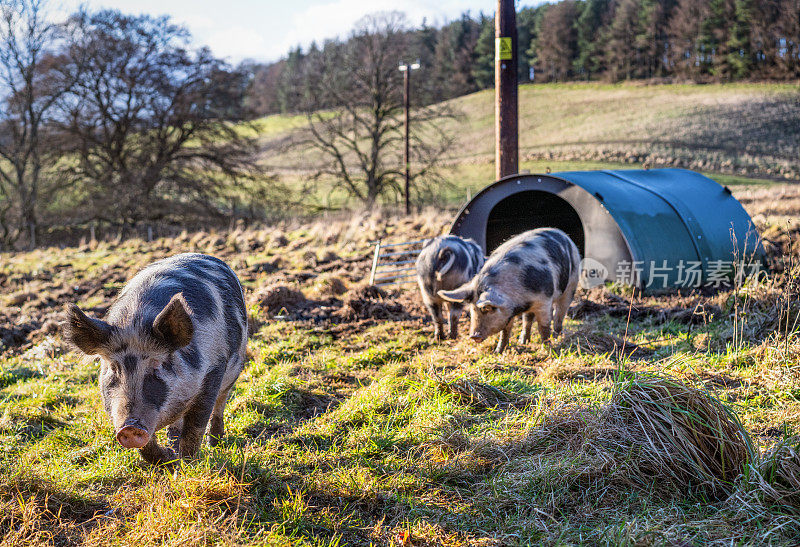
(737,133)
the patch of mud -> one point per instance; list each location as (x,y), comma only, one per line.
(280,300)
(372,303)
(689,310)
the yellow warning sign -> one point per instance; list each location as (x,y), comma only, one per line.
(502,49)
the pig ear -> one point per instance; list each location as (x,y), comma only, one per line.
(491,298)
(174,324)
(85,333)
(462,294)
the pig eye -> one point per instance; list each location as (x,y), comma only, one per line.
(487,308)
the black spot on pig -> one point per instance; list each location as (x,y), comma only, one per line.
(233,335)
(191,356)
(195,291)
(199,413)
(130,362)
(232,293)
(154,390)
(563,276)
(110,381)
(521,309)
(513,258)
(538,280)
(554,249)
(169,365)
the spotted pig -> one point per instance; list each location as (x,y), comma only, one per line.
(527,275)
(446,262)
(171,347)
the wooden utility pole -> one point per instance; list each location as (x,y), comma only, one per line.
(505,85)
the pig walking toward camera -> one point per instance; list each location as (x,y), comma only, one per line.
(446,262)
(171,347)
(528,275)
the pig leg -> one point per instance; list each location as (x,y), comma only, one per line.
(455,315)
(174,434)
(562,306)
(505,335)
(156,454)
(216,430)
(544,315)
(527,323)
(195,422)
(435,309)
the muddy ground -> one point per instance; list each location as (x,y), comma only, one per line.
(317,273)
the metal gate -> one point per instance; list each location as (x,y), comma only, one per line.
(393,263)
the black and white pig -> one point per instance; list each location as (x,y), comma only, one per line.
(446,262)
(528,275)
(171,347)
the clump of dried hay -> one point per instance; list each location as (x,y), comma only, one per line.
(656,434)
(681,433)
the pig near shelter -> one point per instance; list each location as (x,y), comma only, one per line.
(446,262)
(528,275)
(171,347)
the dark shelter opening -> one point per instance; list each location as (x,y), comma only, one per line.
(528,210)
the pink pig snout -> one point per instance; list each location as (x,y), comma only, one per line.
(133,434)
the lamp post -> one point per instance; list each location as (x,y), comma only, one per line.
(406,70)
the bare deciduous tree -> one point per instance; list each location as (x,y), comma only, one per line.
(32,78)
(353,99)
(150,122)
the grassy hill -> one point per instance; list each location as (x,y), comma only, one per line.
(736,133)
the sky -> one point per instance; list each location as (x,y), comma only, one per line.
(265,30)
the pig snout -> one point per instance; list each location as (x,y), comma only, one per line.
(478,337)
(133,434)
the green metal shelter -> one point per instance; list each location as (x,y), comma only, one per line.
(655,229)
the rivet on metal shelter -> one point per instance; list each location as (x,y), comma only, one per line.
(661,228)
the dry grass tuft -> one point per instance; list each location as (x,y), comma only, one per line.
(778,476)
(655,434)
(684,434)
(175,510)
